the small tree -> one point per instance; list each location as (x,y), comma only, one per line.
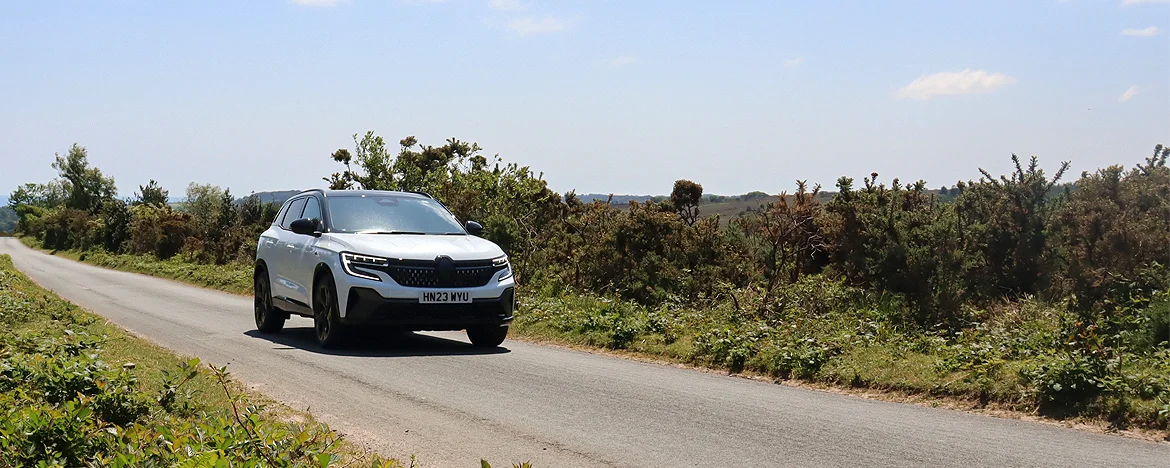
(151,194)
(85,185)
(685,198)
(788,235)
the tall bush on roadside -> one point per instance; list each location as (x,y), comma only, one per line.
(160,231)
(1004,227)
(1113,224)
(115,224)
(898,239)
(786,238)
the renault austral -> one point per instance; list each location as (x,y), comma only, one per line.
(362,258)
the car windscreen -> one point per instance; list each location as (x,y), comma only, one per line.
(390,214)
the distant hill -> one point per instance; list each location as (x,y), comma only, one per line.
(621,200)
(278,196)
(7,218)
(730,206)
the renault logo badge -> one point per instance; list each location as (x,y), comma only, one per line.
(445,270)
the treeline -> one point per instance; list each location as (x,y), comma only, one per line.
(78,210)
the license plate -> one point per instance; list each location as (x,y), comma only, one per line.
(444,297)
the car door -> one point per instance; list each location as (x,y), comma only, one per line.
(266,246)
(302,250)
(284,285)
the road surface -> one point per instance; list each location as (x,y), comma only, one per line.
(435,396)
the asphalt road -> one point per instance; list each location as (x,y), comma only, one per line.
(435,396)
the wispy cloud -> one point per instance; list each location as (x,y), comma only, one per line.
(1128,94)
(953,83)
(622,61)
(793,62)
(511,5)
(1146,32)
(533,25)
(1138,2)
(317,3)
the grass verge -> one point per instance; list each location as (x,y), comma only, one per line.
(77,391)
(235,277)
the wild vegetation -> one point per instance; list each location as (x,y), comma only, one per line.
(1014,290)
(78,392)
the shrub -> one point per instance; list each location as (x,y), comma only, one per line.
(1064,381)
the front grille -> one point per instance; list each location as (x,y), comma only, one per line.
(427,274)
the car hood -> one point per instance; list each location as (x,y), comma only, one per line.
(416,247)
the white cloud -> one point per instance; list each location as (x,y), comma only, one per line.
(1137,2)
(507,5)
(533,25)
(792,62)
(951,83)
(1147,32)
(1128,94)
(322,3)
(622,61)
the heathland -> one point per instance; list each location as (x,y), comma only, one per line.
(1023,291)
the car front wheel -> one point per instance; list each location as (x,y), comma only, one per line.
(488,336)
(326,317)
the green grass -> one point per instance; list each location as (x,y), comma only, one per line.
(76,389)
(1009,357)
(233,277)
(1014,357)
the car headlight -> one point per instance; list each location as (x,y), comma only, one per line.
(353,263)
(499,262)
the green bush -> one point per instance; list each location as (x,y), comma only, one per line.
(1066,380)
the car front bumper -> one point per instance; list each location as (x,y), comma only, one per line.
(365,306)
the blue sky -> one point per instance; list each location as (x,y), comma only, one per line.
(600,96)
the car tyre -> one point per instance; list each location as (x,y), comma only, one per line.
(268,319)
(488,336)
(326,315)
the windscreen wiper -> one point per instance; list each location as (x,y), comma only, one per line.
(393,232)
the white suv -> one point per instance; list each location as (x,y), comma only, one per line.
(374,258)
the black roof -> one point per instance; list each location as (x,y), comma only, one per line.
(362,193)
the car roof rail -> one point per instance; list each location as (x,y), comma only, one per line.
(416,192)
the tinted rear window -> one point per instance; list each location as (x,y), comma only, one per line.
(293,213)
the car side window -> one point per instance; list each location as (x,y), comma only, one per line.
(280,214)
(312,209)
(293,213)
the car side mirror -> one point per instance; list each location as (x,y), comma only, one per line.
(305,226)
(473,228)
